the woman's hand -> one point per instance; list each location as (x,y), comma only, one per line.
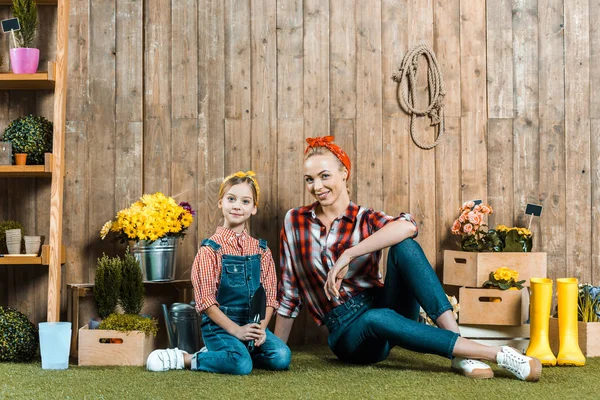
(248,332)
(262,339)
(336,275)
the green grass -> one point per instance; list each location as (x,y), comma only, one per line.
(315,374)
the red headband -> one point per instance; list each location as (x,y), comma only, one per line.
(327,142)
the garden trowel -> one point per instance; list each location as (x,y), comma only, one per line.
(258,308)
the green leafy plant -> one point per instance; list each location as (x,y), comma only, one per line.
(19,340)
(130,322)
(107,285)
(5,226)
(26,12)
(588,304)
(132,285)
(515,239)
(504,278)
(32,135)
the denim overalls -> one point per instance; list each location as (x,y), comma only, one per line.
(240,277)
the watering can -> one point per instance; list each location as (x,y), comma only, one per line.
(182,326)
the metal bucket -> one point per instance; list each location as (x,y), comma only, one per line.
(157,259)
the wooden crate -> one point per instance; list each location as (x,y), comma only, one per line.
(133,348)
(513,336)
(476,306)
(589,337)
(463,268)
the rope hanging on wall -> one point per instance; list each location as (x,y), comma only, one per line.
(407,77)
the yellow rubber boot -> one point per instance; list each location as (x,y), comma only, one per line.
(539,316)
(569,352)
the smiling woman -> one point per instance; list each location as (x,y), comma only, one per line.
(330,253)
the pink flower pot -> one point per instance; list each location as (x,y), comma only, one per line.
(24,60)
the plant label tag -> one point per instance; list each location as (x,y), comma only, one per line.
(11,25)
(477,202)
(534,210)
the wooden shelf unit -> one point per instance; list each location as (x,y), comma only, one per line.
(42,259)
(55,78)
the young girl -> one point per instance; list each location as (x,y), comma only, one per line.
(228,268)
(330,252)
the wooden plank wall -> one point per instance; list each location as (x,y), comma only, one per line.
(173,95)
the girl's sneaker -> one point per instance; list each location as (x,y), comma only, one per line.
(523,367)
(164,360)
(472,368)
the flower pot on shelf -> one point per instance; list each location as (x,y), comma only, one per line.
(463,268)
(24,60)
(21,159)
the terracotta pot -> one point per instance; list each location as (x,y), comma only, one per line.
(20,158)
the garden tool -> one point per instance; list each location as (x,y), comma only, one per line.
(258,309)
(539,315)
(182,326)
(569,352)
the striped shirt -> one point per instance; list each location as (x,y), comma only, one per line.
(308,253)
(206,271)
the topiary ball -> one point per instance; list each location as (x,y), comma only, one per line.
(31,135)
(19,339)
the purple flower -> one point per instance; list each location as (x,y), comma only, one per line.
(188,207)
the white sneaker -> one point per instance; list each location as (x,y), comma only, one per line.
(164,360)
(523,367)
(472,368)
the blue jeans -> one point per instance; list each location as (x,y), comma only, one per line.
(364,329)
(228,355)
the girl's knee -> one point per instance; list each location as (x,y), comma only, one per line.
(281,358)
(241,364)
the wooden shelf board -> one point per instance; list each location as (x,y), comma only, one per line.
(28,171)
(42,80)
(43,259)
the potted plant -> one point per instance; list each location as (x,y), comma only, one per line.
(165,222)
(485,250)
(31,135)
(121,338)
(24,59)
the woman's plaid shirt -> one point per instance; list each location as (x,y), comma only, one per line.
(307,254)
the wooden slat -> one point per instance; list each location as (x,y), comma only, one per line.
(211,92)
(184,129)
(264,118)
(369,147)
(500,57)
(473,101)
(237,59)
(595,178)
(344,131)
(552,136)
(24,171)
(500,172)
(157,156)
(447,194)
(446,44)
(342,55)
(316,68)
(37,81)
(594,56)
(289,59)
(526,122)
(577,151)
(421,163)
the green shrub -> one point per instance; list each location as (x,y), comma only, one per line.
(132,285)
(130,322)
(31,135)
(26,11)
(19,340)
(5,226)
(107,285)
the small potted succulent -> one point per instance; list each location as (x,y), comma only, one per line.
(31,135)
(24,58)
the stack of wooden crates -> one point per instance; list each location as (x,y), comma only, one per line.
(493,316)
